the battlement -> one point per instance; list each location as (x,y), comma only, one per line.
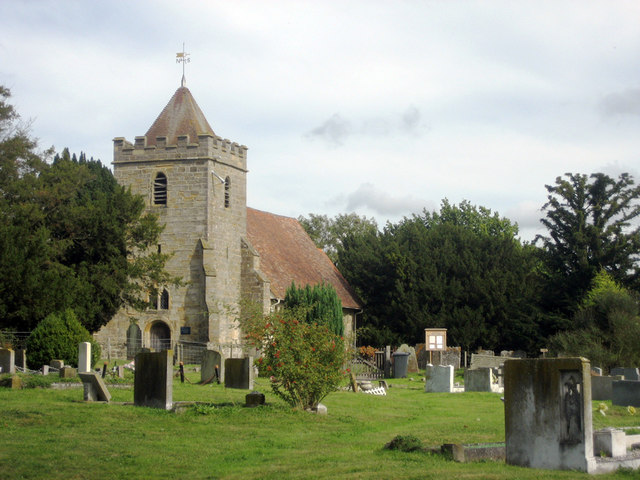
(205,146)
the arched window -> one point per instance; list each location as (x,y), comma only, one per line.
(164,300)
(227,192)
(160,189)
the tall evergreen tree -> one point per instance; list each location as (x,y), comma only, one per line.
(589,223)
(320,303)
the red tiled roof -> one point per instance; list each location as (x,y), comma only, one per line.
(287,254)
(181,116)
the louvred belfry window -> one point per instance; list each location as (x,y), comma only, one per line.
(227,192)
(160,189)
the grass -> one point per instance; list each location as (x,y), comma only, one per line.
(54,434)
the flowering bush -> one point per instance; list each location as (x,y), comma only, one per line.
(368,352)
(304,361)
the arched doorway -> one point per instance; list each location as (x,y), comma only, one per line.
(160,336)
(134,340)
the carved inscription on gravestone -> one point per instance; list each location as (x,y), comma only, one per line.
(571,407)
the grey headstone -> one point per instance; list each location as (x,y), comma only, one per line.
(45,370)
(211,358)
(625,393)
(478,380)
(153,381)
(120,371)
(602,387)
(596,371)
(58,364)
(610,441)
(94,387)
(439,378)
(254,399)
(239,373)
(84,357)
(7,361)
(548,409)
(628,373)
(68,372)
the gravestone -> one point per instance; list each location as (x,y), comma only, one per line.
(387,362)
(254,399)
(153,380)
(120,371)
(211,358)
(602,387)
(94,387)
(628,373)
(45,370)
(68,372)
(548,414)
(480,380)
(412,365)
(596,371)
(13,382)
(84,357)
(7,361)
(21,358)
(239,373)
(439,378)
(625,393)
(610,442)
(57,364)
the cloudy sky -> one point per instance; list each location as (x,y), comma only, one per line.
(382,108)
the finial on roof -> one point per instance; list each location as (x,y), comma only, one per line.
(183,57)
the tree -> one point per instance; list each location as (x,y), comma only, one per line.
(461,268)
(320,304)
(329,233)
(606,326)
(588,219)
(304,361)
(70,236)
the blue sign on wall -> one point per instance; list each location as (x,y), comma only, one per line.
(185,330)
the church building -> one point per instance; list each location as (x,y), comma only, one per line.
(225,253)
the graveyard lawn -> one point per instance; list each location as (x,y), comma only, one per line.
(54,434)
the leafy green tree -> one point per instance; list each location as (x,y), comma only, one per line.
(57,338)
(70,236)
(304,361)
(461,268)
(320,303)
(329,233)
(606,326)
(588,219)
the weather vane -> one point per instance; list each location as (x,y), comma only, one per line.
(183,57)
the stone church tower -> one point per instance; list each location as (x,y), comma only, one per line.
(195,182)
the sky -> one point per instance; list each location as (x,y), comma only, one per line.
(382,108)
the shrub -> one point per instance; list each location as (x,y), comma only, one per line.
(303,360)
(57,337)
(320,303)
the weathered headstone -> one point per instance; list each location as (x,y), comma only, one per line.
(68,372)
(13,382)
(480,380)
(628,373)
(21,358)
(153,380)
(412,365)
(239,373)
(211,359)
(94,387)
(7,361)
(254,399)
(45,370)
(439,378)
(602,387)
(596,371)
(84,357)
(58,364)
(625,393)
(120,371)
(548,413)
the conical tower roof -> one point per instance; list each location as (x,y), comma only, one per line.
(181,116)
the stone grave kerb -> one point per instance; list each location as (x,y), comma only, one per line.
(548,414)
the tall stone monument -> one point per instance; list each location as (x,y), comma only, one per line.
(548,413)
